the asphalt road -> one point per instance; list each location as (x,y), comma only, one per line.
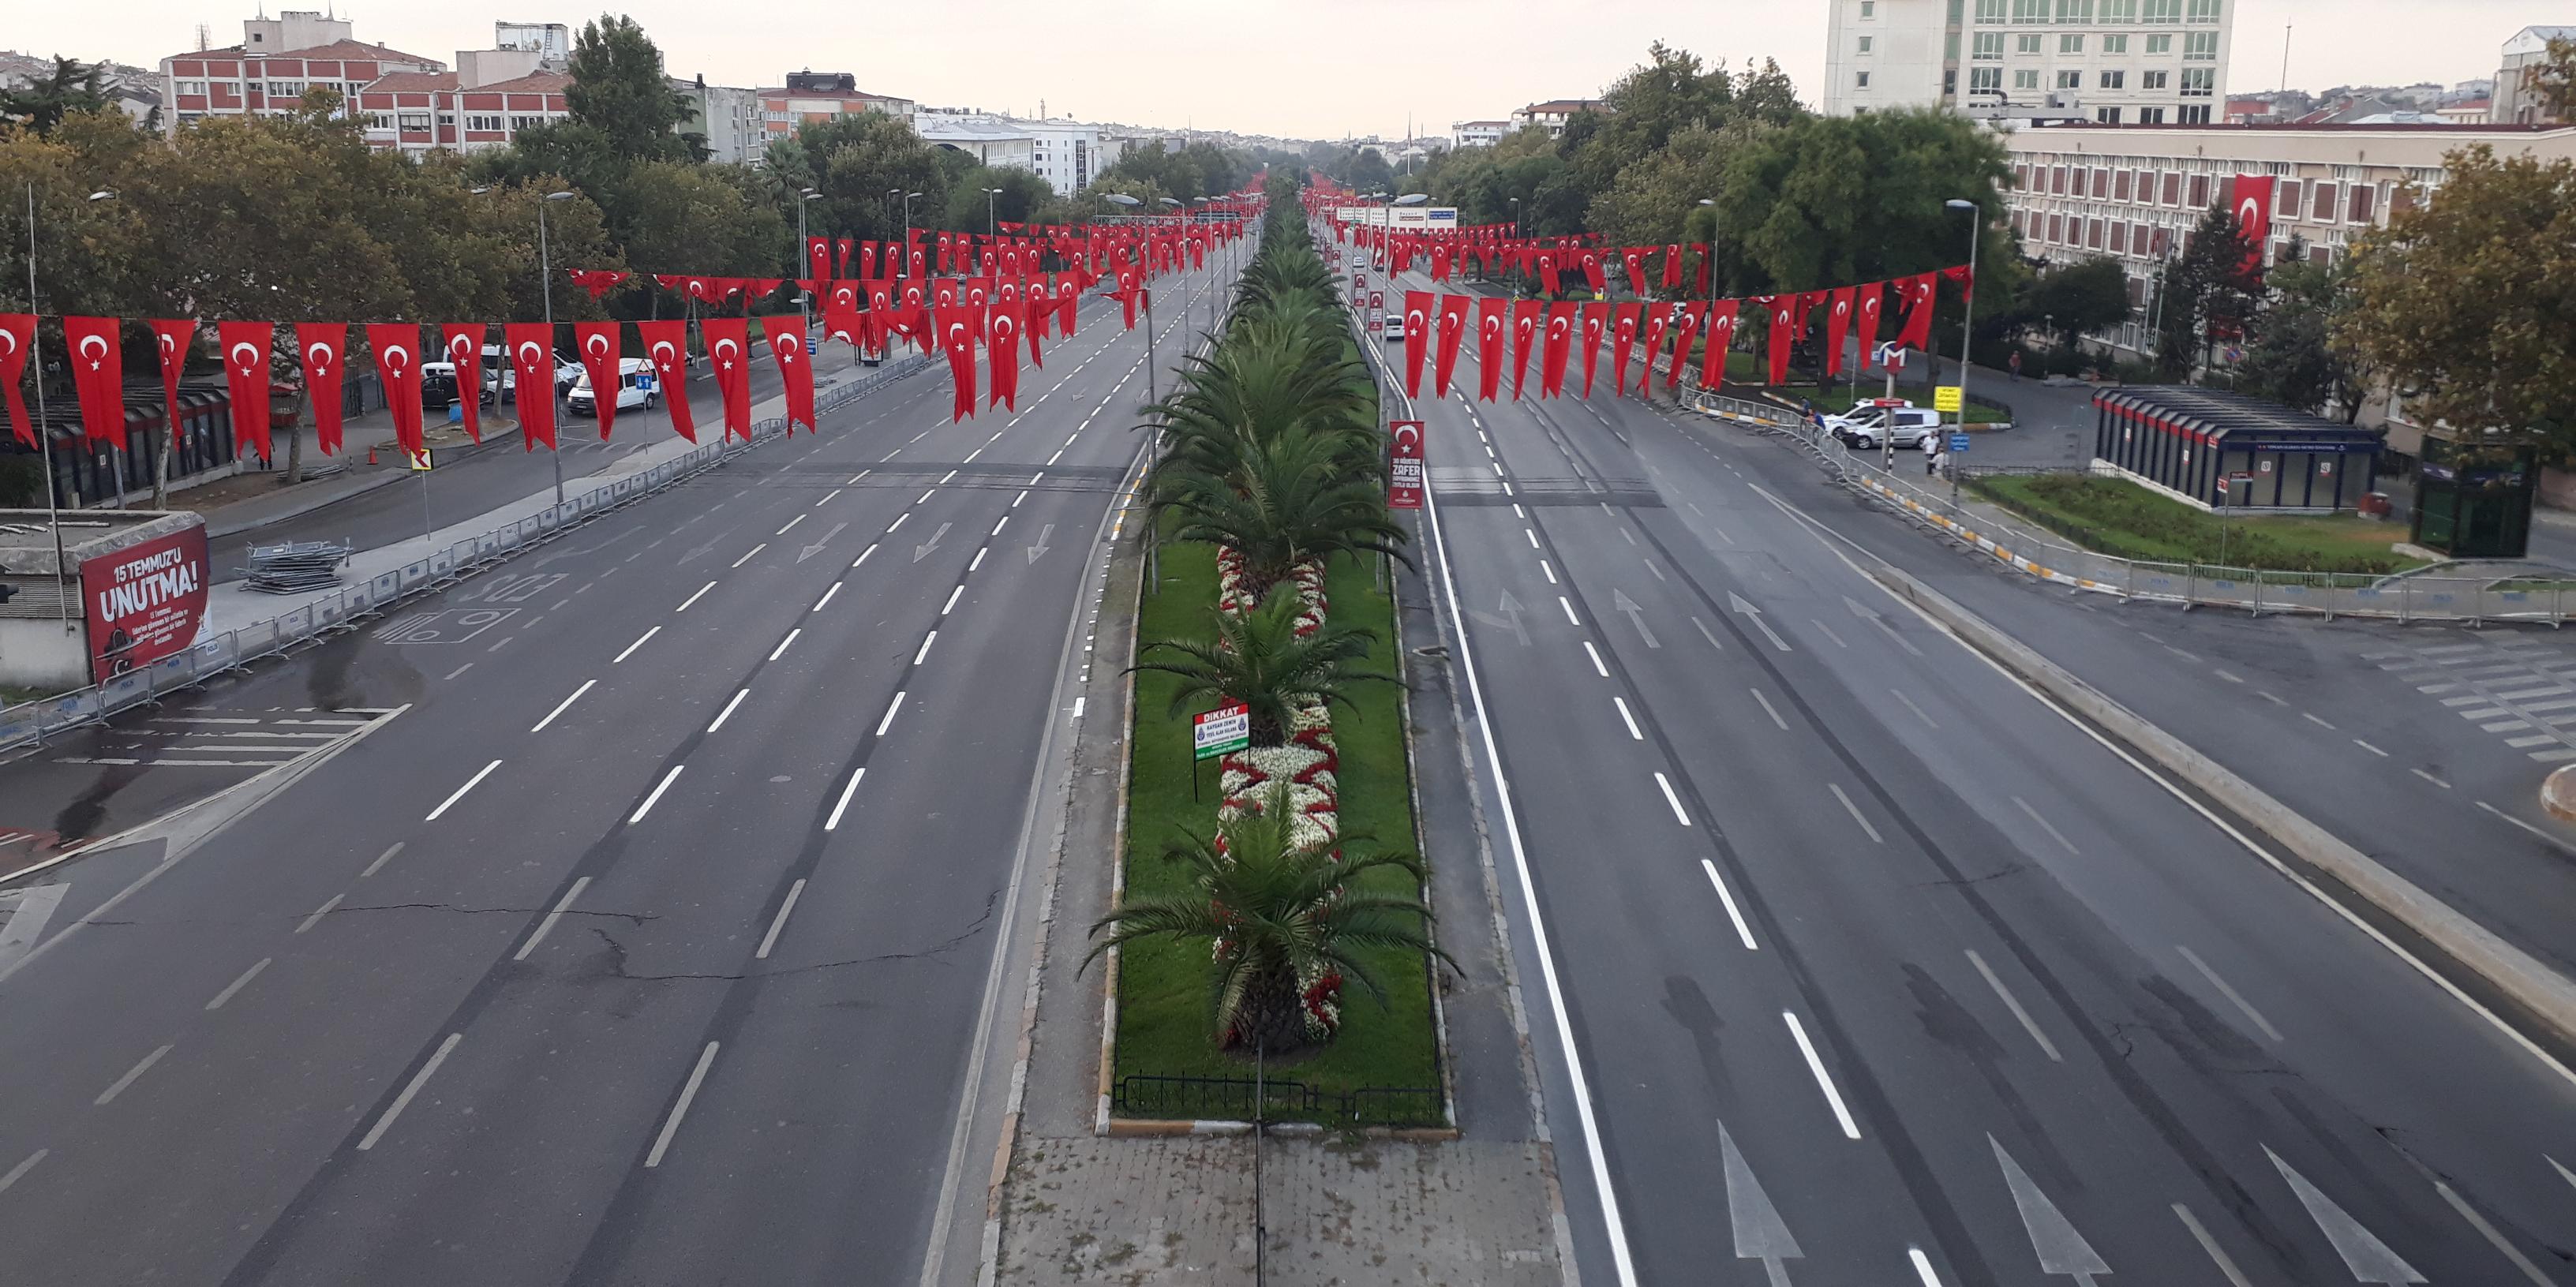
(1850,956)
(643,936)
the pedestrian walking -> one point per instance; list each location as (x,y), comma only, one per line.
(2015,363)
(1931,453)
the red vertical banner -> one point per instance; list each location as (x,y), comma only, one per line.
(1685,329)
(98,374)
(1453,330)
(531,353)
(729,351)
(1493,318)
(1561,323)
(1721,338)
(173,337)
(1417,338)
(1838,328)
(325,349)
(598,342)
(818,257)
(143,602)
(1527,316)
(1917,293)
(245,346)
(1068,299)
(1596,323)
(464,352)
(957,339)
(2250,195)
(396,346)
(1866,302)
(1624,320)
(666,346)
(1658,316)
(17,336)
(1404,469)
(1002,326)
(1783,313)
(785,334)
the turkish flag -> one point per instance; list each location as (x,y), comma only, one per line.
(1439,263)
(841,255)
(1672,267)
(1865,308)
(841,314)
(174,337)
(598,343)
(1417,338)
(818,256)
(1591,260)
(1658,316)
(1493,318)
(978,292)
(98,373)
(943,252)
(595,280)
(325,346)
(1685,329)
(1782,312)
(1721,337)
(1453,329)
(1547,278)
(913,316)
(785,333)
(1634,260)
(464,343)
(1623,338)
(1068,300)
(1917,292)
(868,259)
(1838,327)
(2250,196)
(1527,316)
(1002,326)
(729,350)
(666,346)
(915,262)
(531,349)
(882,318)
(245,346)
(1596,321)
(17,336)
(1561,325)
(397,349)
(957,338)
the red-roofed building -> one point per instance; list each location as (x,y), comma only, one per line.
(279,58)
(493,94)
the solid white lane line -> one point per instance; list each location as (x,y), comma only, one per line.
(827,496)
(2228,991)
(2368,747)
(842,806)
(1742,930)
(22,1168)
(319,912)
(1854,810)
(2053,833)
(1851,1129)
(746,555)
(2013,1004)
(561,706)
(951,605)
(1015,501)
(898,522)
(130,1074)
(888,721)
(1922,1267)
(863,554)
(952,474)
(727,712)
(238,984)
(647,806)
(1570,618)
(2430,778)
(979,561)
(1766,709)
(1597,667)
(1533,537)
(1628,719)
(997,527)
(1551,572)
(702,590)
(779,922)
(790,523)
(403,1100)
(460,791)
(547,926)
(827,597)
(630,648)
(2477,1222)
(1671,799)
(781,650)
(925,647)
(670,1127)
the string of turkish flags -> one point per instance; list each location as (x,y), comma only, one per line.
(1851,312)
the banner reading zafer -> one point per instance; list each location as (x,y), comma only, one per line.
(1404,465)
(143,602)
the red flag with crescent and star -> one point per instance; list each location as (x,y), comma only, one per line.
(598,344)
(785,334)
(1002,326)
(1865,309)
(1917,293)
(531,349)
(1561,325)
(818,256)
(464,344)
(1453,330)
(1493,318)
(1624,321)
(1838,327)
(17,335)
(245,346)
(325,349)
(1418,305)
(2250,195)
(1596,322)
(1721,337)
(174,336)
(98,373)
(1527,316)
(841,314)
(1783,313)
(1658,316)
(666,346)
(396,346)
(729,352)
(1685,329)
(957,339)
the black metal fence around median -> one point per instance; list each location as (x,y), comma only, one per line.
(1233,1099)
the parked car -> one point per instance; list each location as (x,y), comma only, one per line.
(438,386)
(1869,428)
(634,388)
(1394,326)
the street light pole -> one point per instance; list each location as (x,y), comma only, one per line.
(44,428)
(1967,330)
(546,289)
(804,298)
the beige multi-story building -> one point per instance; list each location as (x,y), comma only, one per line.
(2133,193)
(2513,101)
(2116,61)
(1553,114)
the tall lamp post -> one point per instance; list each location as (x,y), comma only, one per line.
(905,250)
(989,226)
(546,292)
(1517,279)
(44,428)
(804,298)
(1967,325)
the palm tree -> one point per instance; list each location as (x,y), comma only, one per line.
(1259,659)
(1293,500)
(1287,925)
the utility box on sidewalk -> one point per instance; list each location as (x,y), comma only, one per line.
(127,589)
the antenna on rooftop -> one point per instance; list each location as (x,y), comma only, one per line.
(205,38)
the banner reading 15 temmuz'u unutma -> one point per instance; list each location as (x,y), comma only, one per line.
(143,602)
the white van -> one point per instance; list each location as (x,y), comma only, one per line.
(1869,428)
(635,388)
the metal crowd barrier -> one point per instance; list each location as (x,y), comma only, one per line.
(2424,595)
(235,649)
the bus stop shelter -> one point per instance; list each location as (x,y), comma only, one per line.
(2191,442)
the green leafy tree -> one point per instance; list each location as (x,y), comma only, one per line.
(2551,82)
(1277,912)
(2291,358)
(2210,293)
(1022,191)
(72,86)
(618,89)
(1822,201)
(2466,303)
(2077,299)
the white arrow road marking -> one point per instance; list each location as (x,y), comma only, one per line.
(2061,1249)
(1735,603)
(819,542)
(1760,1233)
(1625,606)
(35,907)
(2363,1253)
(920,552)
(1037,551)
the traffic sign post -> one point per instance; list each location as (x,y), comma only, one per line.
(1951,398)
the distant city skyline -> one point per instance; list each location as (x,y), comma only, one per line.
(1297,70)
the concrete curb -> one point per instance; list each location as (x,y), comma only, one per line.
(2558,794)
(1166,1128)
(2546,994)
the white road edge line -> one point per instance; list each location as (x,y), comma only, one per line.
(1597,667)
(547,926)
(443,805)
(827,597)
(403,1100)
(1633,733)
(925,647)
(671,1125)
(781,650)
(1833,1097)
(1742,930)
(562,706)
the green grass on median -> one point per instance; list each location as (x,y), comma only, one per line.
(2116,516)
(1163,997)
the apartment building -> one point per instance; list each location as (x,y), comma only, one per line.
(1553,114)
(2512,101)
(483,104)
(822,96)
(728,117)
(278,59)
(1479,133)
(2116,61)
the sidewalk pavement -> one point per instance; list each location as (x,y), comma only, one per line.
(373,432)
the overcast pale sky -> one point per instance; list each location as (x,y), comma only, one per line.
(1304,68)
